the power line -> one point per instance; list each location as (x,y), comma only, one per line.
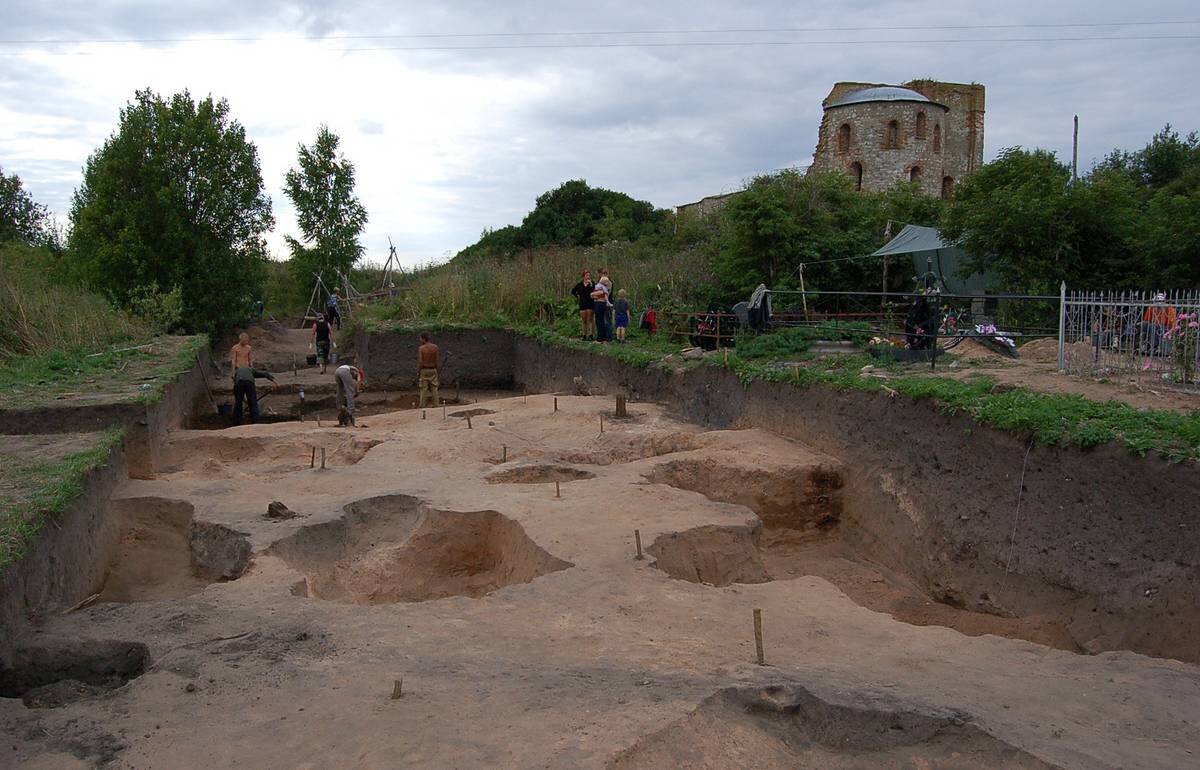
(601,33)
(695,44)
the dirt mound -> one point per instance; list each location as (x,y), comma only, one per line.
(790,727)
(795,498)
(52,676)
(398,549)
(536,473)
(163,553)
(623,447)
(712,555)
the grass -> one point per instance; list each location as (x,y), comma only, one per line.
(122,374)
(35,486)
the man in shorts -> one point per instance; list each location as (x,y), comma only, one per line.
(429,365)
(322,340)
(241,358)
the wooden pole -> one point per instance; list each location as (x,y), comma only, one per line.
(469,422)
(557,490)
(322,458)
(312,461)
(1075,153)
(758,642)
(602,423)
(803,296)
(556,403)
(398,688)
(621,407)
(637,538)
(504,454)
(422,414)
(443,412)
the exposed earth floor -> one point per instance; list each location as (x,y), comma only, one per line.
(446,593)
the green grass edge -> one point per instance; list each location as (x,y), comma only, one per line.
(64,482)
(1050,419)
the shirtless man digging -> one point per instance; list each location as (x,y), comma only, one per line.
(241,357)
(429,364)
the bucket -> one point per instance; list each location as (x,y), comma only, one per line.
(333,357)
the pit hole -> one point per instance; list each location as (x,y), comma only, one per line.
(790,727)
(53,676)
(622,447)
(537,473)
(465,413)
(163,553)
(397,548)
(805,533)
(216,455)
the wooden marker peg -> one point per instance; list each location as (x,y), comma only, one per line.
(621,407)
(556,403)
(504,454)
(637,538)
(469,422)
(601,423)
(398,688)
(524,395)
(758,643)
(312,461)
(322,458)
(557,490)
(422,414)
(443,412)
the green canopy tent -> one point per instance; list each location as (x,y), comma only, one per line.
(930,252)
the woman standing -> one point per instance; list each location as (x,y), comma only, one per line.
(600,308)
(583,292)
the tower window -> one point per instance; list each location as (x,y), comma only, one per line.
(843,138)
(856,171)
(947,186)
(891,135)
(914,174)
(937,138)
(920,125)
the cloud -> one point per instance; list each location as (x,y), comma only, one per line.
(448,142)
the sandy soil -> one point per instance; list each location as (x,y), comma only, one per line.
(554,646)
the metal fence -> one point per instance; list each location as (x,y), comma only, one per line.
(1150,338)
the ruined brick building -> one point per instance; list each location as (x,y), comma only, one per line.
(923,131)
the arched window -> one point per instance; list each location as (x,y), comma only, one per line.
(947,186)
(914,174)
(891,135)
(856,172)
(843,138)
(920,125)
(937,138)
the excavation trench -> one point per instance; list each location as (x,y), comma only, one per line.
(215,455)
(396,548)
(55,675)
(164,553)
(804,531)
(787,726)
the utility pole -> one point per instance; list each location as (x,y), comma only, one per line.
(1075,154)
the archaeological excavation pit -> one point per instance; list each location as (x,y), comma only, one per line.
(804,531)
(219,455)
(49,676)
(788,726)
(164,553)
(396,548)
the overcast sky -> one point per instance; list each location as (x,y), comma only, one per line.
(447,142)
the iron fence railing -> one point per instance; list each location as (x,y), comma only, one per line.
(1150,338)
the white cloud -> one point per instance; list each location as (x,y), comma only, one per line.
(446,143)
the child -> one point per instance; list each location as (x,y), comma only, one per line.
(622,308)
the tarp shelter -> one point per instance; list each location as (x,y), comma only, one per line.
(927,248)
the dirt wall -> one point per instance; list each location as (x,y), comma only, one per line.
(472,359)
(67,561)
(1107,538)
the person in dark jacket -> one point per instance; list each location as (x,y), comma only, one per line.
(583,293)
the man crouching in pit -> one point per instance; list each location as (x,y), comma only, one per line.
(350,380)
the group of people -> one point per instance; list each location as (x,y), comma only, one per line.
(602,317)
(349,380)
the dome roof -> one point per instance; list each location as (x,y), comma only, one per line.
(880,94)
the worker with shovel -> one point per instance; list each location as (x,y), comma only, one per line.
(350,380)
(242,359)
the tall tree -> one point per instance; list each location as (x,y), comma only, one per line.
(21,218)
(330,216)
(174,198)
